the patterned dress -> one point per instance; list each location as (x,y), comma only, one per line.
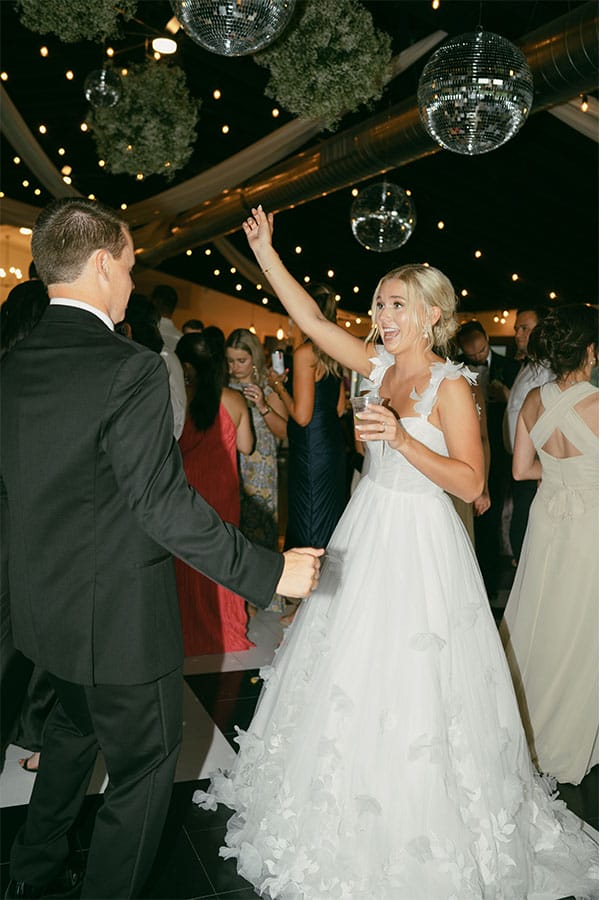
(258,484)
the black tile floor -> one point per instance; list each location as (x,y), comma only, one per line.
(188,866)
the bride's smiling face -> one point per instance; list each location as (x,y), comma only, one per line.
(394,316)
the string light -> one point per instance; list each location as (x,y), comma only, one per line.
(42,129)
(238,287)
(66,170)
(83,126)
(216,272)
(259,287)
(110,51)
(61,151)
(552,295)
(505,313)
(464,292)
(37,192)
(139,176)
(330,273)
(217,94)
(43,51)
(123,206)
(188,252)
(90,196)
(69,75)
(298,249)
(514,276)
(337,298)
(252,329)
(208,251)
(584,106)
(264,301)
(306,279)
(347,324)
(275,113)
(16,160)
(25,183)
(101,163)
(279,334)
(4,76)
(355,192)
(356,289)
(225,129)
(441,225)
(435,4)
(478,254)
(66,179)
(233,270)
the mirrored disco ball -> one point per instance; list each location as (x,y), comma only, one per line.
(383,217)
(475,93)
(102,87)
(233,27)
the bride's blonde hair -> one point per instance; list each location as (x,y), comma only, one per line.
(426,287)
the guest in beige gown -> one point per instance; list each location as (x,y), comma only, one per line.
(550,627)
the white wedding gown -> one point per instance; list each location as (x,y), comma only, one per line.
(386,759)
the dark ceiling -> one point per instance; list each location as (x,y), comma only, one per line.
(530,207)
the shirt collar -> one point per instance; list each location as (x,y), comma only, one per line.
(79,304)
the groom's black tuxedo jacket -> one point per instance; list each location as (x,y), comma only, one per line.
(97,503)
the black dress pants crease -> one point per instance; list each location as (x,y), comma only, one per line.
(138,730)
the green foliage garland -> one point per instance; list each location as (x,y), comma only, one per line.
(329,61)
(76,20)
(152,129)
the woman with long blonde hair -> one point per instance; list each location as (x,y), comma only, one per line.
(386,758)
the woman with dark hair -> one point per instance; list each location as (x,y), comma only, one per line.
(550,627)
(217,427)
(21,311)
(317,449)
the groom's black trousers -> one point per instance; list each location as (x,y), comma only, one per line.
(138,730)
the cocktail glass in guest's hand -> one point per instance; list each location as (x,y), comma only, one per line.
(360,404)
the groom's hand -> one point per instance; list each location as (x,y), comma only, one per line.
(300,572)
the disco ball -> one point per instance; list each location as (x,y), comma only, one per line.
(383,217)
(102,88)
(233,27)
(475,93)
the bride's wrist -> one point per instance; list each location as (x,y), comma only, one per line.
(267,261)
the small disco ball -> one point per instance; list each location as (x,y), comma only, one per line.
(383,217)
(102,88)
(233,27)
(475,93)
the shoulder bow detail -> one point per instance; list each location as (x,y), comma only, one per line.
(440,371)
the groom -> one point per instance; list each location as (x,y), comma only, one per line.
(97,502)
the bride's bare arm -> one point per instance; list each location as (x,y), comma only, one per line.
(347,349)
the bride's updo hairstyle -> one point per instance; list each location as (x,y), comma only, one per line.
(425,287)
(562,339)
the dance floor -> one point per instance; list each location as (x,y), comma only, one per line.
(220,693)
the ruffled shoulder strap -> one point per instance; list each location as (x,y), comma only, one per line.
(440,371)
(381,364)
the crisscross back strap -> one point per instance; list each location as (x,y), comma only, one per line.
(559,414)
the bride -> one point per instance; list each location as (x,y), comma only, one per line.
(386,759)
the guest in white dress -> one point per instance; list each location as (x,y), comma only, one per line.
(550,627)
(386,759)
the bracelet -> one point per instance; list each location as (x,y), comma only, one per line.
(265,412)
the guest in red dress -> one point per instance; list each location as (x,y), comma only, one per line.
(217,426)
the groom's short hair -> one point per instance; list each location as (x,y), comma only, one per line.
(66,234)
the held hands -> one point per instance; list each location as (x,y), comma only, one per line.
(377,423)
(300,573)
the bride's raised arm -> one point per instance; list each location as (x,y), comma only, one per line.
(347,349)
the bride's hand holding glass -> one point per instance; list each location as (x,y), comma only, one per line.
(377,423)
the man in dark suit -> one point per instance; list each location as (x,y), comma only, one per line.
(496,375)
(97,501)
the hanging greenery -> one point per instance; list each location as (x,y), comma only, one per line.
(330,61)
(76,20)
(152,129)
